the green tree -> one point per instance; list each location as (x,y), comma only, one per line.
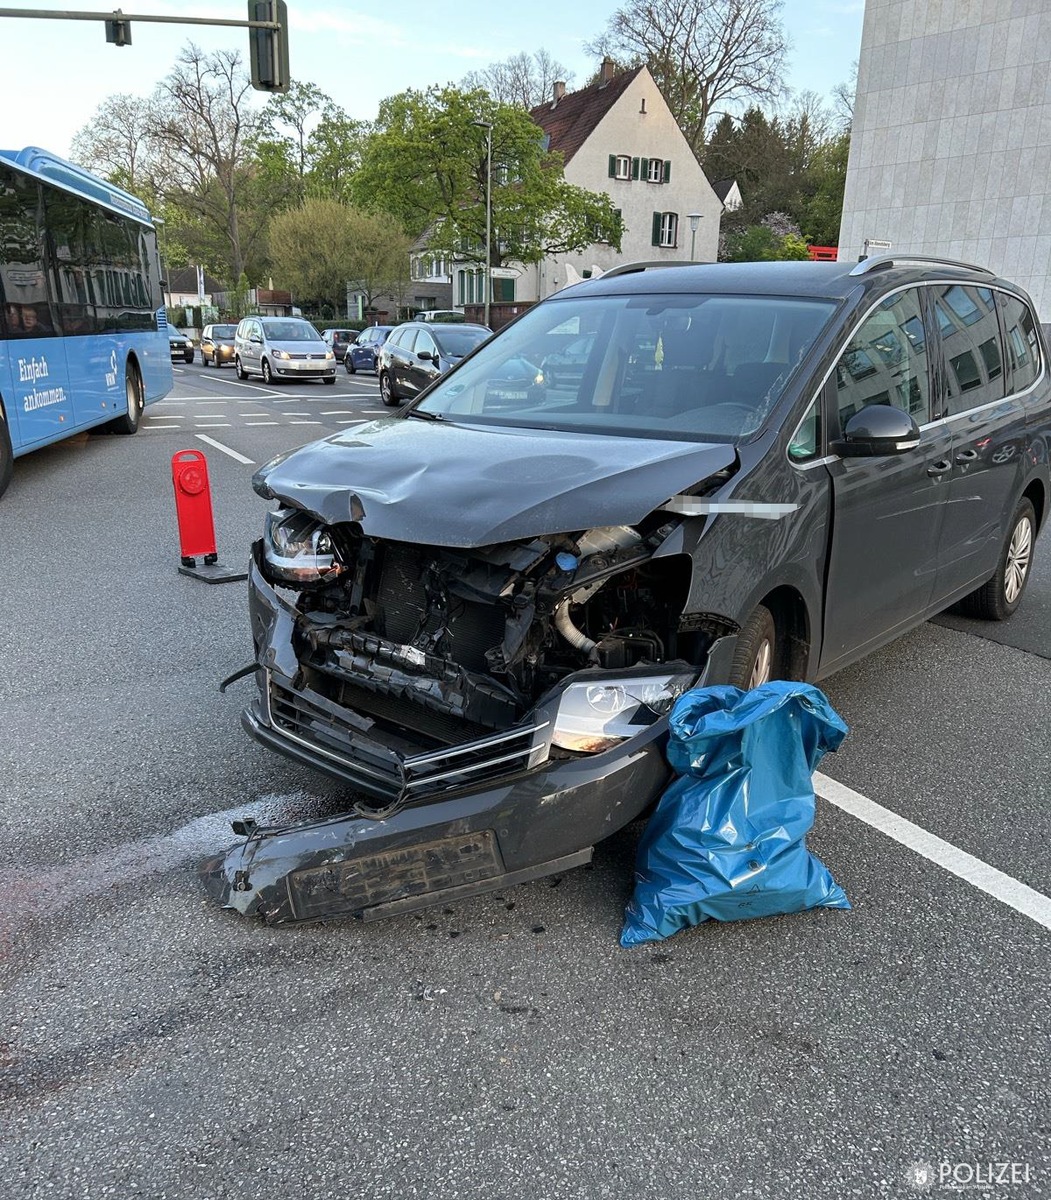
(776,238)
(426,164)
(322,246)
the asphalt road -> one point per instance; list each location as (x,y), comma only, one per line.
(152,1045)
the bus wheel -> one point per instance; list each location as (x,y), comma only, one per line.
(129,422)
(7,457)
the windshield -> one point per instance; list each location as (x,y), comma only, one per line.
(223,331)
(458,342)
(291,331)
(703,367)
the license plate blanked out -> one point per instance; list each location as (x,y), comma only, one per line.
(348,887)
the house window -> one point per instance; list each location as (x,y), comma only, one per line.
(619,166)
(655,170)
(470,287)
(665,229)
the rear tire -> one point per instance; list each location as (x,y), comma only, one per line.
(757,657)
(7,455)
(135,400)
(998,598)
(387,391)
(241,372)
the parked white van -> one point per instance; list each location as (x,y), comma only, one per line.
(282,348)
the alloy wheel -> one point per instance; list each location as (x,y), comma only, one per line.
(1019,553)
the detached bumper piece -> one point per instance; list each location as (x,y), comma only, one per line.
(460,820)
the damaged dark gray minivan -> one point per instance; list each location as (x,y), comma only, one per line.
(478,611)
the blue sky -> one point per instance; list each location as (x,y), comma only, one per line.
(355,57)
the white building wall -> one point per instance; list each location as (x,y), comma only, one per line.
(639,131)
(951,146)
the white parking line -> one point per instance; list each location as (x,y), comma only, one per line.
(333,412)
(203,437)
(212,424)
(254,423)
(155,428)
(1012,892)
(306,422)
(208,416)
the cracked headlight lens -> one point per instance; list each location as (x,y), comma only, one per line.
(298,549)
(596,714)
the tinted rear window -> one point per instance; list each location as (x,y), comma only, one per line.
(458,342)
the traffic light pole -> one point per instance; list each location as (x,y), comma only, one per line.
(267,21)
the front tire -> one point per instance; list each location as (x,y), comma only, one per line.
(241,372)
(188,356)
(330,380)
(7,455)
(349,364)
(135,400)
(387,391)
(268,375)
(998,598)
(757,657)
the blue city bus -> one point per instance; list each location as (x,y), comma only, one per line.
(83,333)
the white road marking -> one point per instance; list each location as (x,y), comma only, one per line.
(254,423)
(212,425)
(155,428)
(203,437)
(292,414)
(208,416)
(171,403)
(306,422)
(1008,890)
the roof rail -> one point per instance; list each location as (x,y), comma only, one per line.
(631,268)
(879,261)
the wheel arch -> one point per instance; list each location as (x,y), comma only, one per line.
(1036,493)
(794,630)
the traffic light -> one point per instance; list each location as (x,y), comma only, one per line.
(269,47)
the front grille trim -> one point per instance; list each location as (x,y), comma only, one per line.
(291,713)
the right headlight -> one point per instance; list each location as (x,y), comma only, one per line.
(594,715)
(298,549)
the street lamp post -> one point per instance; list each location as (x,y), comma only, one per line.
(488,127)
(695,220)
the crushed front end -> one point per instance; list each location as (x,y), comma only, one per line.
(496,709)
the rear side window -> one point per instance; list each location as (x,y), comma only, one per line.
(970,339)
(1022,343)
(885,362)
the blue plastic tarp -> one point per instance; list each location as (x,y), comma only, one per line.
(727,840)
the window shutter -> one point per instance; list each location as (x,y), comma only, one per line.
(667,171)
(656,239)
(612,166)
(644,168)
(634,168)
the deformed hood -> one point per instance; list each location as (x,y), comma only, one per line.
(456,485)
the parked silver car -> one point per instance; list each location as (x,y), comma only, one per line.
(282,348)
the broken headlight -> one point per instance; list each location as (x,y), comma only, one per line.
(596,714)
(298,549)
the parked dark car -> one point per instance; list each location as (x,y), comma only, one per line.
(416,353)
(338,340)
(363,352)
(565,366)
(180,345)
(217,344)
(477,612)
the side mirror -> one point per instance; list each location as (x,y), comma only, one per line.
(425,356)
(256,338)
(877,430)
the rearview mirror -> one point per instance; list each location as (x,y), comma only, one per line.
(877,430)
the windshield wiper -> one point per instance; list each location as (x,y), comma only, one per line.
(424,416)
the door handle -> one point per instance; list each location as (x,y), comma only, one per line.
(942,467)
(966,456)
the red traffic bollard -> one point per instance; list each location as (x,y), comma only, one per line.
(193,508)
